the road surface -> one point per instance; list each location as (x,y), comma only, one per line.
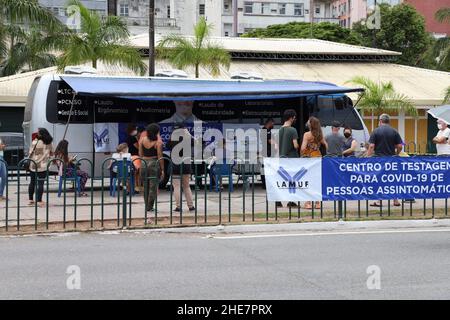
(403,264)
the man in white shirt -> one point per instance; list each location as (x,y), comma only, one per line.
(442,139)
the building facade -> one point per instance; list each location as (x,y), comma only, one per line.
(350,11)
(59,7)
(428,9)
(229,17)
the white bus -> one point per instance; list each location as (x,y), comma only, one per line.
(117,101)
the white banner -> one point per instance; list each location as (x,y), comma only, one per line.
(294,179)
(106,137)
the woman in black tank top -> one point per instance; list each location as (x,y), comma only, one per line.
(150,149)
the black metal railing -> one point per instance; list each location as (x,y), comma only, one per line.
(215,201)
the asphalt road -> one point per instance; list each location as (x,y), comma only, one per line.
(412,265)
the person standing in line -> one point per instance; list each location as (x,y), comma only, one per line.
(311,145)
(288,142)
(133,149)
(3,171)
(267,143)
(151,150)
(181,171)
(335,140)
(41,150)
(350,144)
(385,141)
(442,139)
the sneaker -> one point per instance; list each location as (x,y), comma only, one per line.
(177,209)
(192,209)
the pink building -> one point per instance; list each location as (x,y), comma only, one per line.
(349,11)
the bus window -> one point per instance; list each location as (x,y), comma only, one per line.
(335,108)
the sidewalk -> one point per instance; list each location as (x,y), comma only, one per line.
(218,207)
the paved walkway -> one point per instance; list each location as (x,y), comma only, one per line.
(235,206)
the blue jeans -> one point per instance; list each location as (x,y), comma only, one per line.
(3,176)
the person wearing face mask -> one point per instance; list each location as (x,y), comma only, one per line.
(350,143)
(442,139)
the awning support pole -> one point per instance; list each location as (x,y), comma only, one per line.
(70,115)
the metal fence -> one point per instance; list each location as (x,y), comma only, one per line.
(235,198)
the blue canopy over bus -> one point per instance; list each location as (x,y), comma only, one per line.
(190,89)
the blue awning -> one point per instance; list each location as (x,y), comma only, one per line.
(182,89)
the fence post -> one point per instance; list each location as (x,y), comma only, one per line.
(340,209)
(124,192)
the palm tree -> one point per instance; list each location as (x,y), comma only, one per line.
(29,52)
(447,96)
(15,16)
(443,15)
(197,51)
(99,40)
(381,97)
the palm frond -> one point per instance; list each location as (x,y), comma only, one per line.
(3,42)
(114,29)
(443,15)
(26,10)
(447,96)
(201,32)
(123,56)
(213,57)
(182,52)
(381,97)
(76,52)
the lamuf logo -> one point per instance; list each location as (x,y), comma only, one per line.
(101,138)
(292,183)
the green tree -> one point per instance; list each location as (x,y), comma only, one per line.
(29,52)
(447,96)
(381,97)
(443,15)
(323,31)
(197,51)
(15,18)
(402,29)
(99,40)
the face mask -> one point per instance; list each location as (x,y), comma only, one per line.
(134,133)
(347,135)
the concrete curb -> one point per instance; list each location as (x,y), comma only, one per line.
(304,227)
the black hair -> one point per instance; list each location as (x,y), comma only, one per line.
(45,136)
(288,114)
(348,128)
(152,131)
(269,120)
(62,150)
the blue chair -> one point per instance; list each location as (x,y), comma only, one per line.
(129,174)
(221,170)
(76,180)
